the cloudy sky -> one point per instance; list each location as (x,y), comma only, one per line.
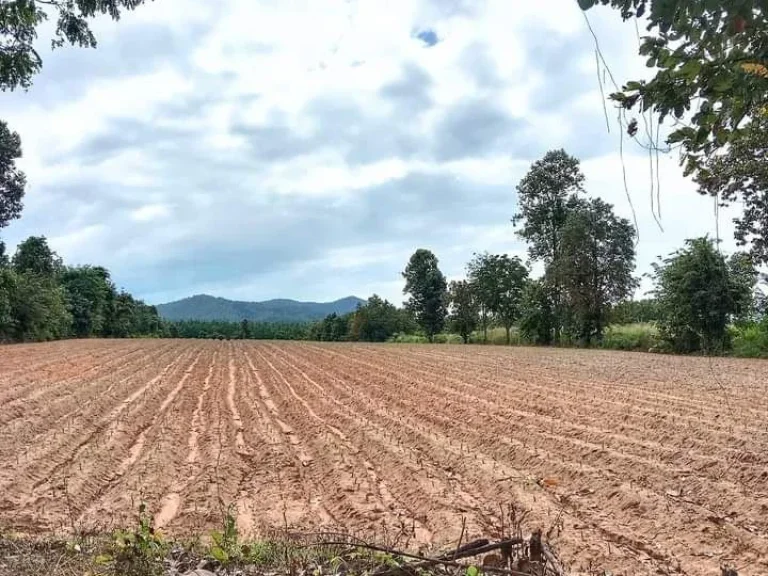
(304,148)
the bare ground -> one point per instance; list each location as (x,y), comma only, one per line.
(634,463)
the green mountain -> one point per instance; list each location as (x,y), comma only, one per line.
(204,307)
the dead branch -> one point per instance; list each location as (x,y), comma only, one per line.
(552,560)
(471,549)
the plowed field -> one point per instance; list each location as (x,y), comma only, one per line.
(636,463)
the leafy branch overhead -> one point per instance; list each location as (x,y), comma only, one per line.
(19,20)
(711,79)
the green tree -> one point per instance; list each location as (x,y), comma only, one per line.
(482,277)
(333,328)
(740,174)
(427,287)
(4,260)
(537,321)
(12,180)
(8,282)
(34,256)
(711,77)
(19,22)
(543,196)
(511,280)
(92,303)
(38,308)
(464,308)
(376,321)
(245,329)
(698,294)
(594,266)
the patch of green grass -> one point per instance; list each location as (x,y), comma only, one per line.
(640,337)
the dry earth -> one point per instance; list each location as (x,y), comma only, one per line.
(638,464)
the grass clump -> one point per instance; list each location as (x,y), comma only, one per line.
(642,337)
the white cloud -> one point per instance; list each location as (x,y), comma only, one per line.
(150,212)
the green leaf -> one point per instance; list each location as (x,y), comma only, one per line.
(102,559)
(219,554)
(691,69)
(722,136)
(472,571)
(722,84)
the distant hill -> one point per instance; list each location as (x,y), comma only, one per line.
(204,307)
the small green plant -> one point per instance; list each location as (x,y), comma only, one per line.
(139,551)
(225,546)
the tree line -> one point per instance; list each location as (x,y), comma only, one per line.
(588,257)
(42,299)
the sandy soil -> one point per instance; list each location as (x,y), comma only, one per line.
(636,464)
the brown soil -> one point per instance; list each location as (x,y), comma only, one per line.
(634,463)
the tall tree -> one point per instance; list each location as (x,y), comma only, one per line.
(4,260)
(710,76)
(542,197)
(427,287)
(376,321)
(464,308)
(740,174)
(537,322)
(245,329)
(34,256)
(482,278)
(12,180)
(90,292)
(38,308)
(19,62)
(594,266)
(511,280)
(698,294)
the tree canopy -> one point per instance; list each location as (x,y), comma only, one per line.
(427,287)
(12,180)
(41,299)
(594,266)
(464,308)
(698,293)
(711,78)
(19,22)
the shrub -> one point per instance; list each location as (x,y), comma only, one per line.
(641,336)
(409,339)
(751,340)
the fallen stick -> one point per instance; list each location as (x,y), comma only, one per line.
(552,560)
(426,561)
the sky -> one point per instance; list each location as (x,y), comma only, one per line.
(306,148)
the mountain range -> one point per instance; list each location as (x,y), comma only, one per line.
(205,307)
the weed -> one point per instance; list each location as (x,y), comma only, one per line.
(225,547)
(139,551)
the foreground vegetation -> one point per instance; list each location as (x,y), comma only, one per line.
(144,551)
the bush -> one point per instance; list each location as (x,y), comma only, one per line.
(751,340)
(409,339)
(642,336)
(444,338)
(497,336)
